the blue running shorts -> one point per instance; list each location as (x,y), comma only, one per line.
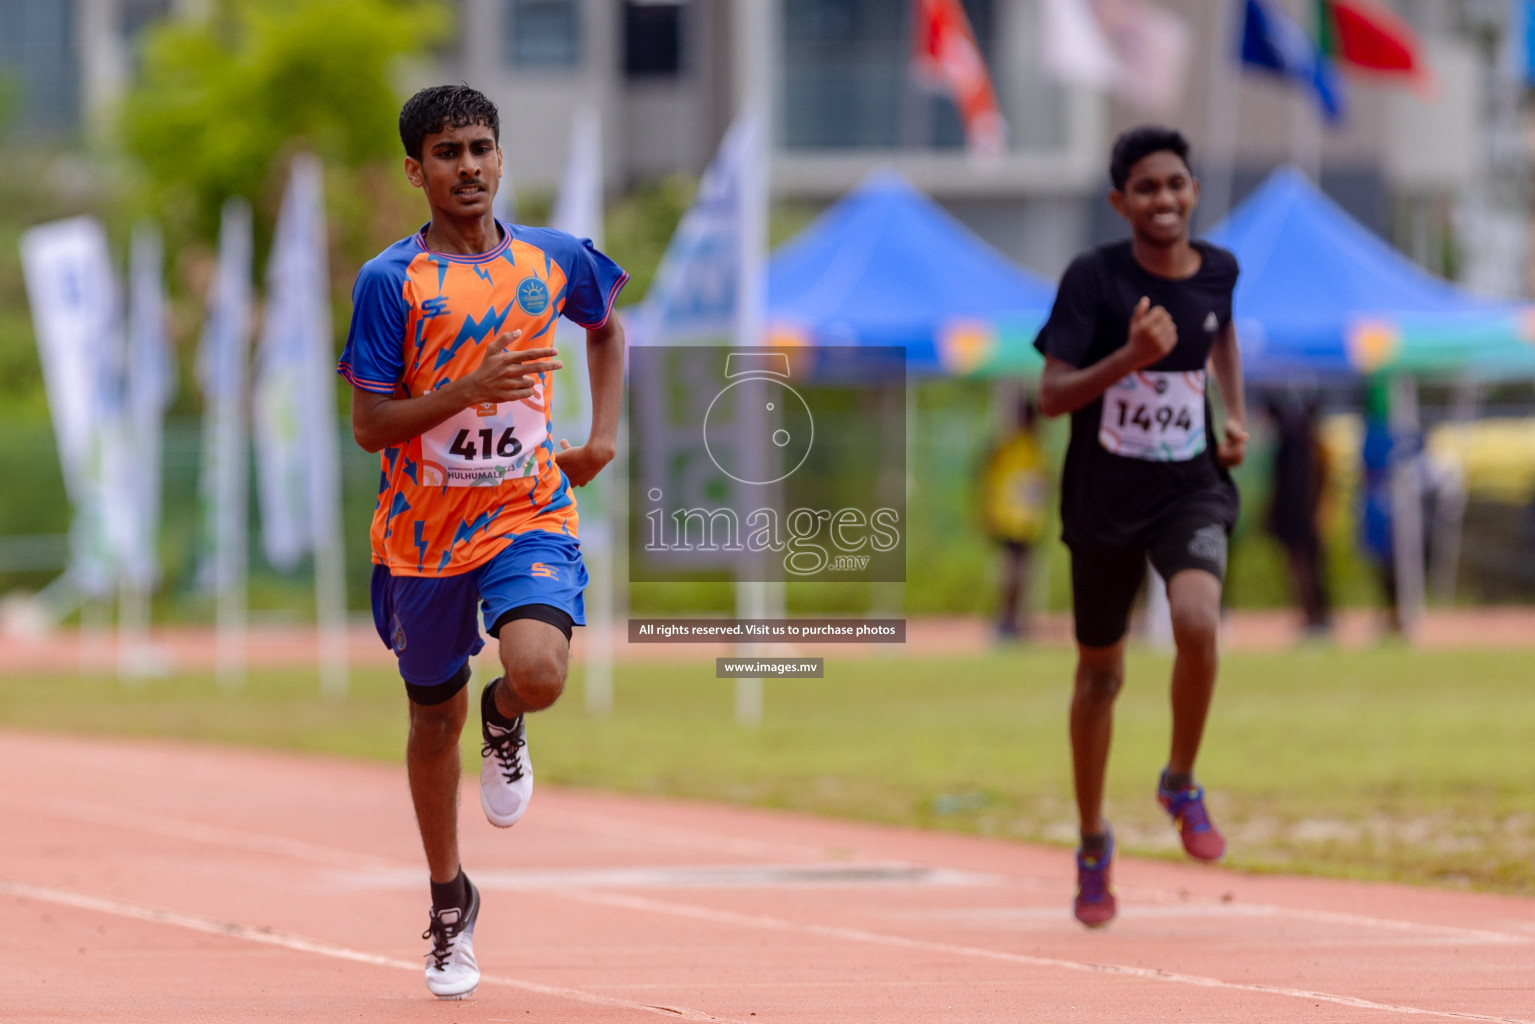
(431,622)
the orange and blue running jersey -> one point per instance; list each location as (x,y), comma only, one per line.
(452,498)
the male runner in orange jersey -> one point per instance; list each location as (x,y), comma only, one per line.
(451,365)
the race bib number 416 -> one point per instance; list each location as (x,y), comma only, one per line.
(1159,417)
(484,445)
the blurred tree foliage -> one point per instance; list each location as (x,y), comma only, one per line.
(219,105)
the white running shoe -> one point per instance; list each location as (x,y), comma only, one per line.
(451,972)
(506,773)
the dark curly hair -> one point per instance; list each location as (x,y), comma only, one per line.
(1136,144)
(442,107)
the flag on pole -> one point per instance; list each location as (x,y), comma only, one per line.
(221,372)
(578,212)
(1135,49)
(708,290)
(945,55)
(504,205)
(294,322)
(1365,35)
(149,382)
(1518,57)
(73,295)
(708,287)
(297,453)
(1272,41)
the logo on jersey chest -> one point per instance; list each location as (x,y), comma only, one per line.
(533,296)
(1212,322)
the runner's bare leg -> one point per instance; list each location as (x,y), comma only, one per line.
(1100,674)
(432,763)
(1195,597)
(535,657)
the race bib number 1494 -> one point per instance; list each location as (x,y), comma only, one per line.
(1158,417)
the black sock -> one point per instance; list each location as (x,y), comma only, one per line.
(1175,782)
(451,894)
(489,711)
(1095,844)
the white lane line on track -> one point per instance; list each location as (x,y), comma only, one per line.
(211,835)
(833,875)
(1210,909)
(612,826)
(1448,931)
(643,903)
(355,863)
(298,943)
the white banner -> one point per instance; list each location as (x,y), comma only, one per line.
(297,454)
(709,287)
(296,321)
(1135,49)
(73,294)
(149,382)
(74,310)
(578,211)
(221,372)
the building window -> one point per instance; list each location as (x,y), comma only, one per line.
(39,70)
(135,18)
(137,15)
(846,79)
(543,33)
(652,37)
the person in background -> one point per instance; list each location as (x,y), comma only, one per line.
(1377,535)
(1015,488)
(1300,480)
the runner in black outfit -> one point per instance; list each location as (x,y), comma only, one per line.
(1134,327)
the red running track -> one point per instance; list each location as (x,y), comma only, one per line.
(144,881)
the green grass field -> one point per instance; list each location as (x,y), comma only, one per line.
(1388,763)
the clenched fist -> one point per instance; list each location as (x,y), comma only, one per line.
(507,376)
(1152,333)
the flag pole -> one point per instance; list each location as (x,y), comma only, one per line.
(753,84)
(325,471)
(1221,118)
(228,440)
(147,390)
(1306,123)
(578,210)
(753,598)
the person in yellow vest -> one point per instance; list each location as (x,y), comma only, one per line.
(1015,494)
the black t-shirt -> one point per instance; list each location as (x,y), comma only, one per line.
(1113,500)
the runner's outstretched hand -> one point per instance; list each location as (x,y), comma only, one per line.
(507,376)
(1232,449)
(581,464)
(1152,333)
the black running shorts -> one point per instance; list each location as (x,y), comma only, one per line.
(1104,581)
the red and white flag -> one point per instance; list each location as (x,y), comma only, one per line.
(1132,48)
(946,55)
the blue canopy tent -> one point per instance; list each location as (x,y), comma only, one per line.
(1321,294)
(888,266)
